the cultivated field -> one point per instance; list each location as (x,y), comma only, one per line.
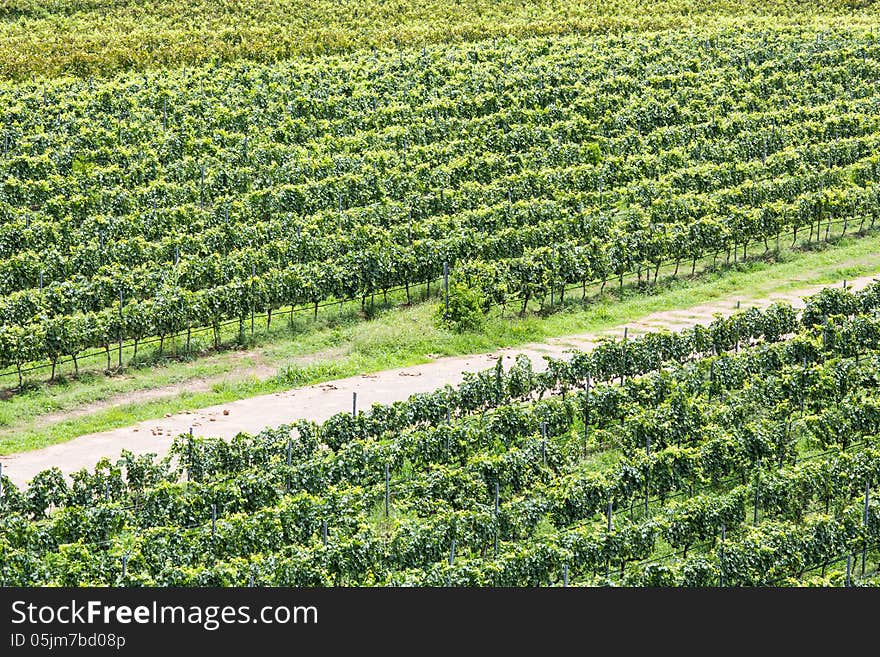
(204,207)
(742,453)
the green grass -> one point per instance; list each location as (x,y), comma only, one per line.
(342,343)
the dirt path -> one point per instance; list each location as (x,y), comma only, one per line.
(259,370)
(320,401)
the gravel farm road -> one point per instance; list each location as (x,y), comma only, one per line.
(320,401)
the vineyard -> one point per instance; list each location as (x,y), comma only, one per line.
(102,37)
(742,453)
(171,173)
(151,204)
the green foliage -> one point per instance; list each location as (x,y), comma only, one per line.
(745,443)
(466,310)
(102,38)
(393,164)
